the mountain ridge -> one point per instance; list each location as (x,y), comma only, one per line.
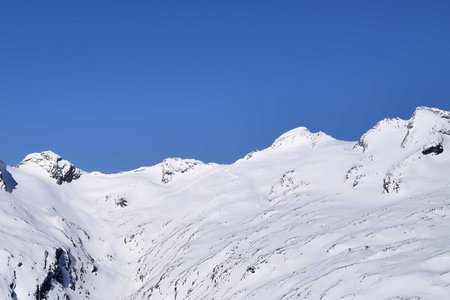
(309,217)
(301,134)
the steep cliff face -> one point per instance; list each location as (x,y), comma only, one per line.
(310,217)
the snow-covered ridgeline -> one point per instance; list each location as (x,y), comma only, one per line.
(310,217)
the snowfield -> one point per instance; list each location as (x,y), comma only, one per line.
(310,217)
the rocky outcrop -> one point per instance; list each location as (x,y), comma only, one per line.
(58,168)
(2,183)
(118,200)
(173,166)
(435,149)
(60,273)
(7,182)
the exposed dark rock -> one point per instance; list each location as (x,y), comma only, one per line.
(13,294)
(121,201)
(436,149)
(361,144)
(390,184)
(7,182)
(353,174)
(172,166)
(61,272)
(2,183)
(250,155)
(58,168)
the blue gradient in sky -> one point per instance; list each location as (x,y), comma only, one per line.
(113,85)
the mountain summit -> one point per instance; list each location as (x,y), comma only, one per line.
(58,168)
(309,217)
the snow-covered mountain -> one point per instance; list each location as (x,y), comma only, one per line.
(310,217)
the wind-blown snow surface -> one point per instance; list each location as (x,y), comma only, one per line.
(310,217)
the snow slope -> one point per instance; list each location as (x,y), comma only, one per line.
(310,217)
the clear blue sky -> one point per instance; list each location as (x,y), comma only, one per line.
(113,85)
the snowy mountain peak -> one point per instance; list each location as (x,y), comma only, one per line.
(175,165)
(393,149)
(332,223)
(300,136)
(426,128)
(430,111)
(390,130)
(58,168)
